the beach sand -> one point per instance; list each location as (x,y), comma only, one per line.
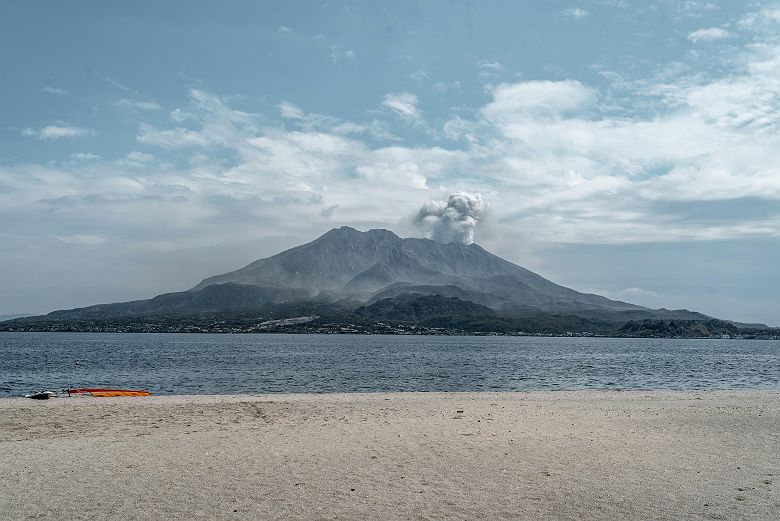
(535,455)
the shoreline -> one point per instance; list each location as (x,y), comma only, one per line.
(453,333)
(656,393)
(500,455)
(600,392)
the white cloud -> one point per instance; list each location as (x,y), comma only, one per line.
(52,132)
(575,13)
(404,104)
(708,35)
(638,292)
(290,111)
(402,166)
(693,8)
(84,156)
(556,159)
(487,65)
(337,55)
(489,69)
(136,159)
(173,138)
(517,101)
(119,85)
(179,115)
(420,75)
(48,89)
(764,17)
(139,104)
(549,155)
(220,125)
(283,29)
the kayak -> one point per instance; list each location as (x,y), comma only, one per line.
(95,392)
(101,392)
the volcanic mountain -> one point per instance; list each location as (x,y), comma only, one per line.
(376,275)
(366,266)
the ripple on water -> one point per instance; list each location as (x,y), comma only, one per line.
(230,364)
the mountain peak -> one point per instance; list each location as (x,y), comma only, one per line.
(342,230)
(348,231)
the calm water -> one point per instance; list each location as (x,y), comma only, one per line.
(227,364)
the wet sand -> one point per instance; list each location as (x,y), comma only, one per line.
(536,455)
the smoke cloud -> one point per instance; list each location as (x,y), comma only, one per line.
(453,220)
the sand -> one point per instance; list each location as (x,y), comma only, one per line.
(537,455)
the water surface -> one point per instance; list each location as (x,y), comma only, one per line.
(233,364)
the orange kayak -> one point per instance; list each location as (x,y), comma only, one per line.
(99,392)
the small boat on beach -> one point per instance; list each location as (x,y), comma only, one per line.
(102,392)
(94,392)
(42,395)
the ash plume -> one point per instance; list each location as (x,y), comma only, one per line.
(453,220)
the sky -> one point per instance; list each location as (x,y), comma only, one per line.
(630,149)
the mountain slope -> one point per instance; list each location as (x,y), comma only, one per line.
(353,264)
(413,307)
(217,297)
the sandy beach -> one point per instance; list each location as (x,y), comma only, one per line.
(536,455)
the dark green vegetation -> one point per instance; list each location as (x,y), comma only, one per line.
(375,282)
(408,313)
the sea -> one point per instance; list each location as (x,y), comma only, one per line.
(280,363)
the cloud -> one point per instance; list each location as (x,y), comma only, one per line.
(290,111)
(489,69)
(220,125)
(324,123)
(138,104)
(337,55)
(403,167)
(492,66)
(283,29)
(560,161)
(708,35)
(766,17)
(48,89)
(575,13)
(84,156)
(638,292)
(172,138)
(179,115)
(635,295)
(84,240)
(120,85)
(693,8)
(554,157)
(532,99)
(136,159)
(442,87)
(453,220)
(404,104)
(52,132)
(420,75)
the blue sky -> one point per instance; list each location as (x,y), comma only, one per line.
(625,148)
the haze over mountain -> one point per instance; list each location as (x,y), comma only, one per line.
(347,263)
(347,275)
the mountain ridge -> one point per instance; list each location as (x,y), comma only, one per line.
(354,264)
